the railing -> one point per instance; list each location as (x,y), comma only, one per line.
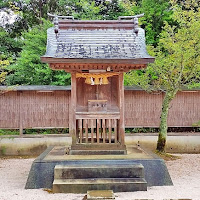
(99,131)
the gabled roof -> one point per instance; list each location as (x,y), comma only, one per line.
(96,42)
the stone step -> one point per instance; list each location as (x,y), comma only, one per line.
(95,146)
(100,194)
(83,185)
(98,171)
(97,152)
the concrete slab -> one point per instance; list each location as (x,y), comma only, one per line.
(41,174)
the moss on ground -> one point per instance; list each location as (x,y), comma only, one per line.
(167,156)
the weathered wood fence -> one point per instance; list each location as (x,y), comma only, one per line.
(48,107)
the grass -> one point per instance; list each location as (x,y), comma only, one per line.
(35,131)
(9,132)
(141,130)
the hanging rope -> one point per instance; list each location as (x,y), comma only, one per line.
(96,79)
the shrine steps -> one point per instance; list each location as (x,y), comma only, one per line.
(97,149)
(80,179)
(83,185)
(97,152)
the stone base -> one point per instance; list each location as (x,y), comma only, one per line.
(97,149)
(41,174)
(100,194)
(97,152)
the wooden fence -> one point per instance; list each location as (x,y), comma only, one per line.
(143,109)
(32,109)
(50,109)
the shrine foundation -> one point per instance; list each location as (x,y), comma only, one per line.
(41,174)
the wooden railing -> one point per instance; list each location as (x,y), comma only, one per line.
(99,131)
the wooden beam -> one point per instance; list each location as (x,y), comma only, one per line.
(86,130)
(141,61)
(121,107)
(96,26)
(98,126)
(68,21)
(72,114)
(115,130)
(110,130)
(93,124)
(104,130)
(70,67)
(80,126)
(95,116)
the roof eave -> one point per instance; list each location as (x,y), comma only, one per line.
(49,60)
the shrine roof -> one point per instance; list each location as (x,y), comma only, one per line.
(97,41)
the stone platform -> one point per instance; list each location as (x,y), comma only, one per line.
(41,174)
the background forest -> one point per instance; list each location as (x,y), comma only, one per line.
(24,41)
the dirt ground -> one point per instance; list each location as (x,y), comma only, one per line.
(185,173)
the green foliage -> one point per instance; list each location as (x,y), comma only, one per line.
(8,132)
(90,10)
(3,150)
(196,124)
(4,4)
(156,13)
(81,9)
(30,13)
(178,58)
(47,131)
(28,68)
(177,63)
(35,131)
(3,73)
(141,130)
(9,46)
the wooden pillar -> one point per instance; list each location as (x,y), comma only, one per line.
(72,121)
(121,107)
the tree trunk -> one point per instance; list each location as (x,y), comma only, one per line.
(163,122)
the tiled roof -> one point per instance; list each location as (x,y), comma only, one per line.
(114,39)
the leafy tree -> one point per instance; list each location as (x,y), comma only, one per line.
(177,63)
(28,68)
(90,10)
(156,12)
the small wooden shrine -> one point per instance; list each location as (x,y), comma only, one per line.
(96,53)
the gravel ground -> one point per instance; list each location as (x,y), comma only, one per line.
(185,173)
